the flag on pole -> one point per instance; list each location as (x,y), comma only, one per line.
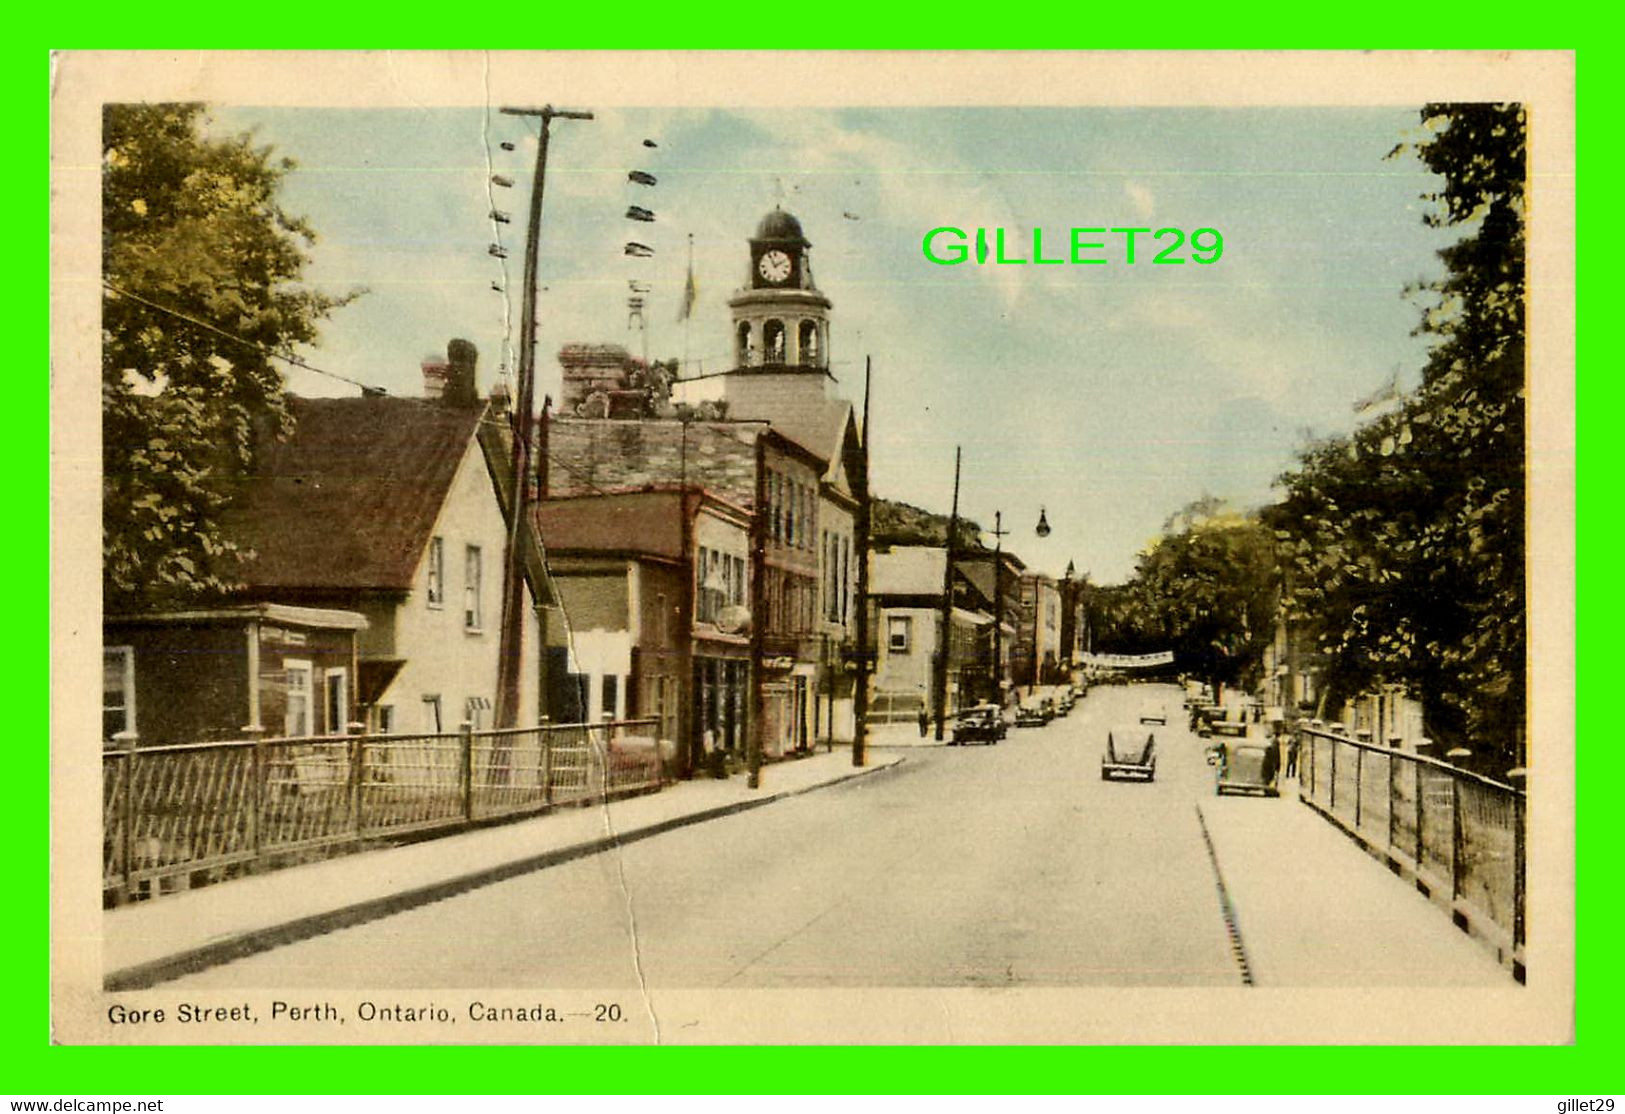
(690,291)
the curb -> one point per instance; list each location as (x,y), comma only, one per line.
(143,976)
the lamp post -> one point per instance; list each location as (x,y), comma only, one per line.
(998,607)
(1043,531)
(1068,626)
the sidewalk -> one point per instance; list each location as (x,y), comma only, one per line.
(891,736)
(1315,910)
(151,941)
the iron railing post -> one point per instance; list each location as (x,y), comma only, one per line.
(546,737)
(1333,805)
(358,763)
(465,773)
(1420,810)
(256,797)
(1359,784)
(127,816)
(1455,837)
(1393,758)
(1518,879)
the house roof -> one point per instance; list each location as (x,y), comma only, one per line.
(648,523)
(350,499)
(979,575)
(822,430)
(910,570)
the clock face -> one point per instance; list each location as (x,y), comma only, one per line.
(774,266)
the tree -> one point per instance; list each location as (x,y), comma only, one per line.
(1404,542)
(1207,589)
(201,270)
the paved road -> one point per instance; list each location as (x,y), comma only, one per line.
(1000,865)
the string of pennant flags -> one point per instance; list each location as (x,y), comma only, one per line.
(638,287)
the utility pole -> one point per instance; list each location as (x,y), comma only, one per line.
(512,645)
(758,619)
(998,608)
(945,626)
(860,683)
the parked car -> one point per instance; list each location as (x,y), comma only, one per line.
(1031,714)
(981,724)
(1245,767)
(1131,752)
(1063,701)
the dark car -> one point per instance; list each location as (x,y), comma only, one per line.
(1131,752)
(1246,767)
(981,724)
(1032,714)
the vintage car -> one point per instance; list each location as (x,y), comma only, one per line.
(1063,700)
(1246,767)
(1131,752)
(1155,715)
(1033,713)
(981,724)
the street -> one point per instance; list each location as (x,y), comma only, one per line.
(982,866)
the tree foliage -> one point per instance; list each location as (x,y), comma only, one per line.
(896,523)
(201,270)
(1206,590)
(1403,543)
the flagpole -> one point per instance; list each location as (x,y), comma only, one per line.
(688,301)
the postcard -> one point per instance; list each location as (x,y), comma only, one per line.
(813,548)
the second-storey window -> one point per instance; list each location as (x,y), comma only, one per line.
(471,589)
(435,593)
(897,631)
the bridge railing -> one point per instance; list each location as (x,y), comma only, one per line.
(1461,834)
(205,810)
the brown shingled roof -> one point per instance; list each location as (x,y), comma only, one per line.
(635,522)
(350,499)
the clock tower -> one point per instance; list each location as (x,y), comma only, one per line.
(780,319)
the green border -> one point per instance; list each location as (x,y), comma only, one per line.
(1588,1067)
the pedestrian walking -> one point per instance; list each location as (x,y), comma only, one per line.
(1292,755)
(925,722)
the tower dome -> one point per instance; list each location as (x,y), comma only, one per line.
(779,225)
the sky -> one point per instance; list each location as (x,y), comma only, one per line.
(1109,396)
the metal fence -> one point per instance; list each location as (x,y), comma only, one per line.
(1462,834)
(170,813)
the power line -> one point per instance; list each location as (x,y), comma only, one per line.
(294,361)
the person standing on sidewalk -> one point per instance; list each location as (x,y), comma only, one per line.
(925,721)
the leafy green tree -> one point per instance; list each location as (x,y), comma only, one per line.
(201,270)
(1207,589)
(1404,542)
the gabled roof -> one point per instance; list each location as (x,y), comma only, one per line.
(350,500)
(823,430)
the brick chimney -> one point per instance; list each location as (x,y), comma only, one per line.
(436,371)
(461,388)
